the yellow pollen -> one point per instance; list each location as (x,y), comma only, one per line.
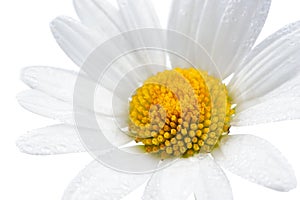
(180,112)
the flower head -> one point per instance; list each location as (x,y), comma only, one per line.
(175,93)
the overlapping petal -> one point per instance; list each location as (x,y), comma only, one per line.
(47,106)
(75,39)
(99,182)
(256,160)
(268,110)
(60,84)
(177,181)
(199,176)
(140,14)
(271,64)
(99,15)
(57,139)
(63,138)
(226,29)
(212,183)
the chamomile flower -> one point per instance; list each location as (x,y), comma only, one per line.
(175,93)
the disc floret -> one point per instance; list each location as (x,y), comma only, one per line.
(180,112)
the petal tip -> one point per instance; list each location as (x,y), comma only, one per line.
(21,97)
(59,24)
(54,27)
(55,21)
(23,146)
(290,182)
(29,76)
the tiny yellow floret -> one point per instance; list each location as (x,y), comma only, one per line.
(180,112)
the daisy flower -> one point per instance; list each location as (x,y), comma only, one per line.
(157,105)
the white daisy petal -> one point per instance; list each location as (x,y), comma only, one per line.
(272,63)
(132,15)
(56,82)
(42,104)
(256,160)
(99,182)
(62,138)
(183,18)
(60,83)
(181,13)
(138,14)
(288,90)
(130,158)
(271,110)
(226,29)
(174,182)
(99,15)
(57,139)
(141,14)
(212,183)
(47,106)
(79,42)
(111,131)
(283,103)
(76,40)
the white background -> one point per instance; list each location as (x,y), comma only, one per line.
(25,40)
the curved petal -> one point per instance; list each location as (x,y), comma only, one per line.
(272,63)
(44,105)
(62,138)
(53,81)
(174,182)
(76,40)
(57,139)
(256,160)
(270,110)
(98,182)
(132,15)
(79,42)
(60,84)
(99,15)
(289,89)
(138,14)
(212,183)
(183,18)
(178,181)
(283,103)
(226,29)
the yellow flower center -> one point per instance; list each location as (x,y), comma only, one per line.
(180,112)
